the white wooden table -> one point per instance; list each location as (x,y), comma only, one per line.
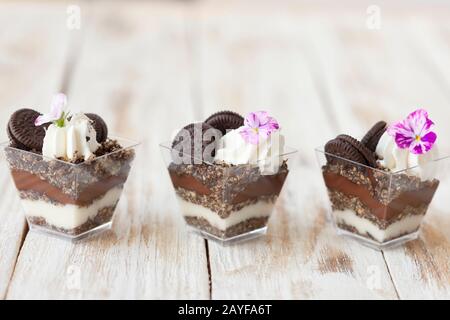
(151,67)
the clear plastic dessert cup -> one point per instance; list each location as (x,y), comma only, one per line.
(379,208)
(226,203)
(67,200)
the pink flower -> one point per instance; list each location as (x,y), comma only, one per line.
(59,102)
(414,133)
(258,125)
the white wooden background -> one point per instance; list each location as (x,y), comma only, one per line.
(149,67)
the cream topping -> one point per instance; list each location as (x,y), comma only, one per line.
(233,149)
(77,139)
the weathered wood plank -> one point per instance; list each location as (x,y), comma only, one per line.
(134,71)
(250,62)
(33,44)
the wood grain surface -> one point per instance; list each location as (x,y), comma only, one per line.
(150,67)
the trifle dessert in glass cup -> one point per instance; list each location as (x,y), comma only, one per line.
(227,173)
(380,187)
(68,172)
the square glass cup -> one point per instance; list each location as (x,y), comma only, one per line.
(381,209)
(226,203)
(67,200)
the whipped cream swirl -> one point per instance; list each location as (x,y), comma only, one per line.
(233,149)
(396,159)
(77,139)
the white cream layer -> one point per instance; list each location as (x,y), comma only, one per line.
(406,225)
(258,210)
(69,216)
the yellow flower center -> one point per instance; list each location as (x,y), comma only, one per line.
(417,138)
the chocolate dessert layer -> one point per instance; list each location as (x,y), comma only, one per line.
(386,196)
(103,216)
(264,186)
(29,182)
(341,202)
(188,183)
(215,204)
(227,184)
(68,183)
(238,229)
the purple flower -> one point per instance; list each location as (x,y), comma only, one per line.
(59,102)
(414,132)
(258,125)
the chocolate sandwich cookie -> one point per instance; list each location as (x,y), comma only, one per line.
(372,137)
(12,142)
(225,120)
(202,135)
(349,148)
(100,127)
(338,148)
(368,155)
(23,133)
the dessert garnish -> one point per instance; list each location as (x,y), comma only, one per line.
(70,137)
(57,134)
(57,114)
(225,120)
(409,144)
(414,133)
(22,131)
(100,126)
(370,140)
(349,148)
(197,141)
(258,142)
(258,126)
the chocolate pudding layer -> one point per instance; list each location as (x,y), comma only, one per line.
(65,183)
(226,200)
(375,204)
(223,188)
(372,187)
(68,182)
(28,183)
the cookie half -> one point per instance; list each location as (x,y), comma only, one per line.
(373,136)
(101,129)
(23,133)
(225,120)
(347,147)
(368,155)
